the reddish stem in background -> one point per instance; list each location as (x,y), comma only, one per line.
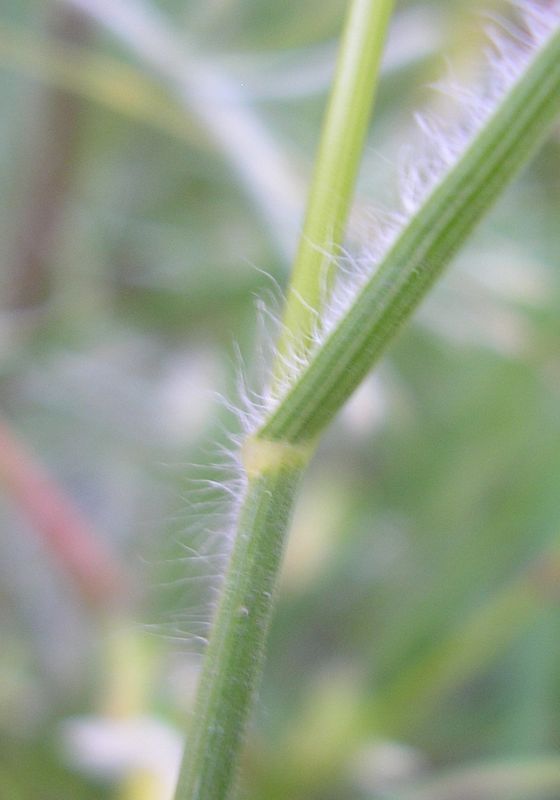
(68,536)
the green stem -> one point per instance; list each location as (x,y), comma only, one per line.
(235,653)
(422,250)
(276,455)
(233,661)
(342,139)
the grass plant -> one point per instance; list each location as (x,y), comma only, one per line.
(409,640)
(321,360)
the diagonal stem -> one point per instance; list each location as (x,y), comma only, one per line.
(233,662)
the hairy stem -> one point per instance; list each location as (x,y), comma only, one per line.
(340,150)
(233,661)
(235,653)
(277,453)
(424,247)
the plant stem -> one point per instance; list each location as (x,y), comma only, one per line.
(233,661)
(235,653)
(340,149)
(68,537)
(424,247)
(276,454)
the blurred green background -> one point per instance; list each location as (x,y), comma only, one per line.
(154,159)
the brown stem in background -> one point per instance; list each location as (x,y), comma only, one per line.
(67,535)
(49,174)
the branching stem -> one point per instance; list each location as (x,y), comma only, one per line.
(277,452)
(233,661)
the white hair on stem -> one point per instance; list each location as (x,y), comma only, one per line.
(216,501)
(190,579)
(442,142)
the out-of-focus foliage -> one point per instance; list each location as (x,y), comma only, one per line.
(417,630)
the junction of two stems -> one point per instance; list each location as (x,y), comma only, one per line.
(421,251)
(233,661)
(277,453)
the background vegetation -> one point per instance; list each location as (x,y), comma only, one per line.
(149,198)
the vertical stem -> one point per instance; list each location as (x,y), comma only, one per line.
(233,662)
(340,150)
